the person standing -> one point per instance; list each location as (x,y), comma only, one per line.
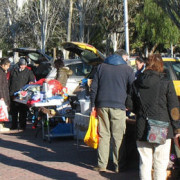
(140,66)
(63,72)
(108,93)
(4,90)
(154,95)
(60,72)
(19,77)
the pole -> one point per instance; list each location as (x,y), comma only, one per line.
(126,25)
(172,55)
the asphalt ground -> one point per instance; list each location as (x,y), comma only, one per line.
(26,157)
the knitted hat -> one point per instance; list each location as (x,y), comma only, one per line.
(22,61)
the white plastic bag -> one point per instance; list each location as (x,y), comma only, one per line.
(3,111)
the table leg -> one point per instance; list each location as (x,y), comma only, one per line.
(48,128)
(42,121)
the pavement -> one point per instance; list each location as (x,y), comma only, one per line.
(24,156)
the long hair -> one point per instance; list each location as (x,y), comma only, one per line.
(155,63)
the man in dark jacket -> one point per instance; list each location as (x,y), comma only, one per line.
(4,90)
(108,94)
(19,77)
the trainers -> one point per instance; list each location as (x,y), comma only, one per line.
(99,169)
(4,129)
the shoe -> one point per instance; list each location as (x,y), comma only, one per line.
(4,129)
(99,169)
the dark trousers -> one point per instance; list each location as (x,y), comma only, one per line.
(21,110)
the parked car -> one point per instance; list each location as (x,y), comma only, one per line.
(82,67)
(172,70)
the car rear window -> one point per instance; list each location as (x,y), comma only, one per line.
(80,69)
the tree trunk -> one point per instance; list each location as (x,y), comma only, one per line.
(108,40)
(66,54)
(43,12)
(154,48)
(81,22)
(114,42)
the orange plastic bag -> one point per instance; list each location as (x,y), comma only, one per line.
(92,137)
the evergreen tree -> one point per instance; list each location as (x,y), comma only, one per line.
(154,27)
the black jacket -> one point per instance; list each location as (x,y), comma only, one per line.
(4,90)
(19,79)
(158,97)
(110,83)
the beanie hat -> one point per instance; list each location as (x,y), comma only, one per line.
(22,61)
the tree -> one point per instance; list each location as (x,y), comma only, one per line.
(172,8)
(12,20)
(44,17)
(154,27)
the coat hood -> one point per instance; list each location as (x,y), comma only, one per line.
(115,60)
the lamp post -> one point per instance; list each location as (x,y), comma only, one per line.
(126,25)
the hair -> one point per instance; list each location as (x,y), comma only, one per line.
(59,63)
(121,52)
(140,59)
(155,63)
(4,61)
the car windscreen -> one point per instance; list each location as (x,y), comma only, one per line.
(176,68)
(172,70)
(80,69)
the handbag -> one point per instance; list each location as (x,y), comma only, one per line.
(92,137)
(157,130)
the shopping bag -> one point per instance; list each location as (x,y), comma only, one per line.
(92,137)
(3,111)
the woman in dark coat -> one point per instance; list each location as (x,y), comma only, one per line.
(159,101)
(4,90)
